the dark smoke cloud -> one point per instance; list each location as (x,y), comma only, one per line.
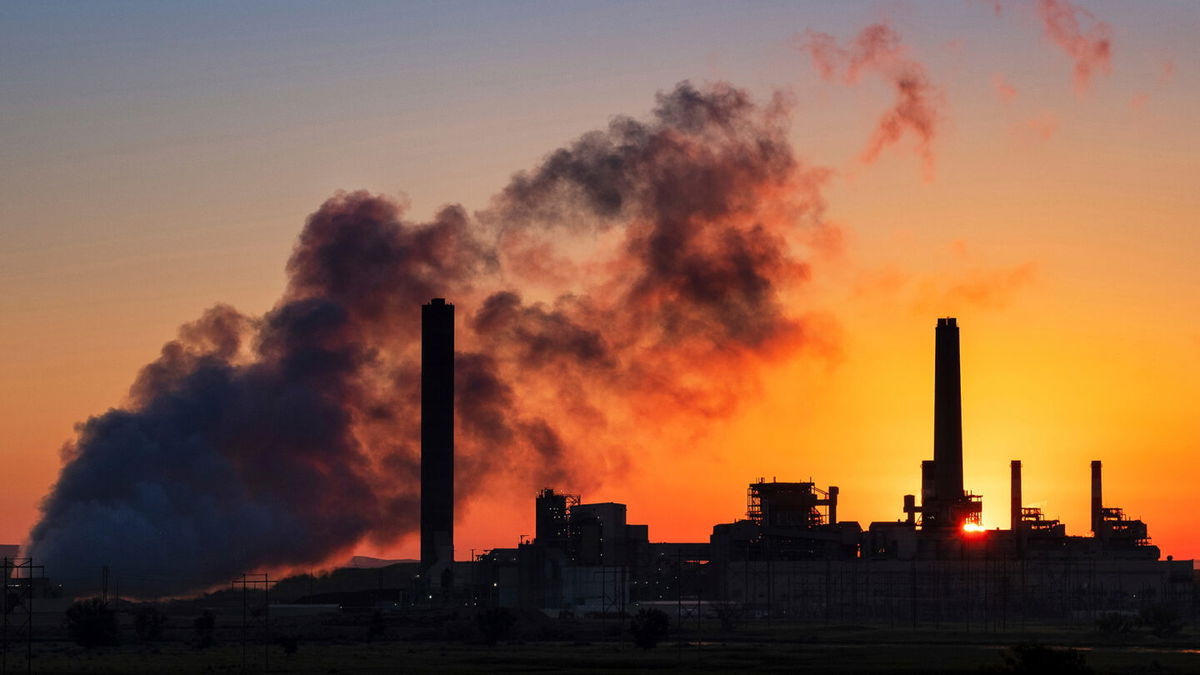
(652,258)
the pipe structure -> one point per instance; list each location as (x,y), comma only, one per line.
(833,497)
(437,433)
(928,488)
(1097,497)
(1015,509)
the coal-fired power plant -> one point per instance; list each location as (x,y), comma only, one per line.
(437,435)
(788,555)
(791,556)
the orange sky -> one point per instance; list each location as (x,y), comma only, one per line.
(1058,222)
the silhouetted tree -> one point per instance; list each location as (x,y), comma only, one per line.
(1034,658)
(92,623)
(148,622)
(1161,619)
(1114,623)
(495,624)
(289,643)
(377,629)
(205,624)
(649,627)
(729,614)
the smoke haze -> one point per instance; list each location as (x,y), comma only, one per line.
(636,273)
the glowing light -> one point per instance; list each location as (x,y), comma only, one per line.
(972,527)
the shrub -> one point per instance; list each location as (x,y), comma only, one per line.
(289,643)
(377,629)
(1114,623)
(205,624)
(729,614)
(149,622)
(1033,658)
(92,623)
(649,627)
(1161,619)
(495,624)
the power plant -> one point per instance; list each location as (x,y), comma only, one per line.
(790,555)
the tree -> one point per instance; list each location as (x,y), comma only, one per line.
(495,624)
(92,623)
(1114,623)
(1161,619)
(729,614)
(649,627)
(205,625)
(377,629)
(1034,658)
(148,622)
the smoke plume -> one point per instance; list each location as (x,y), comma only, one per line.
(879,49)
(635,274)
(1087,41)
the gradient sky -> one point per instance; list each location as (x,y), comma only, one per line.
(160,157)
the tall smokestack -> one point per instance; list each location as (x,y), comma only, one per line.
(947,413)
(437,433)
(1097,500)
(1015,514)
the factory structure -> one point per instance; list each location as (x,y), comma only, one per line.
(790,557)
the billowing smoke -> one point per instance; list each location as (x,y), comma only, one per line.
(636,274)
(879,49)
(1086,40)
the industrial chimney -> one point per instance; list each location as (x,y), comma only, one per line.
(437,433)
(1097,500)
(1015,508)
(947,414)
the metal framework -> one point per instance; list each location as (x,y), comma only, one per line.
(787,504)
(16,604)
(255,615)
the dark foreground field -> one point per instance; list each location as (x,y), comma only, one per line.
(429,644)
(564,657)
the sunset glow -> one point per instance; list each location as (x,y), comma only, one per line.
(789,196)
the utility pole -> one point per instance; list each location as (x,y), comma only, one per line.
(251,613)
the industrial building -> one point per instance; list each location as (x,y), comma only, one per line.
(791,556)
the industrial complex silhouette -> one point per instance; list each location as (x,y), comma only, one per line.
(791,556)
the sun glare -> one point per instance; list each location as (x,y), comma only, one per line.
(972,527)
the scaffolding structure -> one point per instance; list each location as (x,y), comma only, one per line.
(16,604)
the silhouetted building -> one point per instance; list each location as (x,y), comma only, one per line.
(791,557)
(552,524)
(437,434)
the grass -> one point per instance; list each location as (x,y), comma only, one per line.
(940,654)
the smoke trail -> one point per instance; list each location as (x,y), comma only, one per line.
(636,272)
(1004,89)
(878,48)
(1090,48)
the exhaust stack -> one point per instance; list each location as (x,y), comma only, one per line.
(1097,498)
(1015,514)
(947,414)
(437,433)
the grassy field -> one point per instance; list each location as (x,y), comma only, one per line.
(846,649)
